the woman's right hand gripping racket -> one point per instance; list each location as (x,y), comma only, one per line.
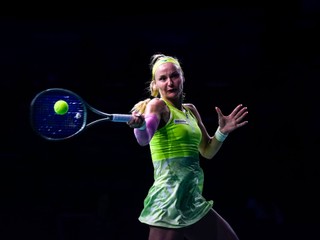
(53,123)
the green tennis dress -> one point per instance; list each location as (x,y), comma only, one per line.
(175,198)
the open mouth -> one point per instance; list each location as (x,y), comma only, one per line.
(172,90)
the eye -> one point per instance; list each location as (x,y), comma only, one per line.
(175,75)
(162,78)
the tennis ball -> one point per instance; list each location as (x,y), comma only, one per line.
(61,107)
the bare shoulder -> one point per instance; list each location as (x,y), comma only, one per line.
(156,105)
(156,102)
(193,109)
(190,106)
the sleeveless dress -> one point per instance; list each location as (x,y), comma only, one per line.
(175,198)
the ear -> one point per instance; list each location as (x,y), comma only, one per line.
(153,86)
(154,89)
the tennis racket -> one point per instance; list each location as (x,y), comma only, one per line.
(52,126)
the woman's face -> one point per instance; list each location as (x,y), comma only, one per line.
(169,80)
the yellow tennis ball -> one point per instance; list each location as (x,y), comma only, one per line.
(61,107)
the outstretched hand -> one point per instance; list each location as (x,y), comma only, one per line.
(233,121)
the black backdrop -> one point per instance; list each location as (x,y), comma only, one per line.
(264,180)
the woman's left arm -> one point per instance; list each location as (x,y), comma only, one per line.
(210,145)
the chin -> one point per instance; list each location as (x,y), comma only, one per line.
(172,95)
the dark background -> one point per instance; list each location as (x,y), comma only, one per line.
(265,55)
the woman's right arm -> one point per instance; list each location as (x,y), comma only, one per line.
(152,116)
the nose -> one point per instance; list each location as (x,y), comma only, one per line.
(170,81)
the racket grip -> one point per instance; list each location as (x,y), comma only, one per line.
(121,117)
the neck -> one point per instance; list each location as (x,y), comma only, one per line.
(177,103)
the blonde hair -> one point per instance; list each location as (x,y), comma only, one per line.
(155,61)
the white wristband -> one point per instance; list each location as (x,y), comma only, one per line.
(220,136)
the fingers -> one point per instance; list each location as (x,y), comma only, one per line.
(218,110)
(136,121)
(236,109)
(236,113)
(242,124)
(241,112)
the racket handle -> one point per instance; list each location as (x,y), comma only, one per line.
(121,117)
